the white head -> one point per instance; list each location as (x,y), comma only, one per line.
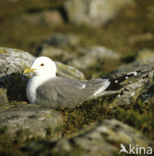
(43,66)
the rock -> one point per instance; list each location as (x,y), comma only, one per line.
(144,62)
(54,52)
(33,120)
(133,90)
(144,56)
(61,40)
(94,13)
(69,71)
(14,61)
(103,138)
(12,64)
(138,87)
(3,97)
(48,18)
(90,56)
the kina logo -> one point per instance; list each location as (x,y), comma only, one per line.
(135,149)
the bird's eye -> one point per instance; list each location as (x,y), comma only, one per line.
(42,64)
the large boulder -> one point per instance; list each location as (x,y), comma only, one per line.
(94,13)
(34,120)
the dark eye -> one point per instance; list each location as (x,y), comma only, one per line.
(42,64)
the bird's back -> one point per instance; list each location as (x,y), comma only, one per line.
(62,92)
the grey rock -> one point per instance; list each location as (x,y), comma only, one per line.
(69,71)
(3,97)
(61,40)
(144,63)
(14,61)
(102,138)
(55,52)
(33,119)
(133,90)
(12,64)
(139,87)
(94,13)
(90,56)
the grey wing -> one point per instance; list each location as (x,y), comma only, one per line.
(62,92)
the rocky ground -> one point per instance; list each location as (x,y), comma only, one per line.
(86,41)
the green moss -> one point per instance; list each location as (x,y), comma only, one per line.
(139,116)
(87,113)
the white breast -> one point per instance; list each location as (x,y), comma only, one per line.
(32,86)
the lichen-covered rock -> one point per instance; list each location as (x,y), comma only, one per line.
(94,12)
(69,71)
(90,56)
(102,138)
(33,119)
(14,61)
(133,90)
(139,87)
(3,97)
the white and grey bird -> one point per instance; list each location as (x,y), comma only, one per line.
(44,87)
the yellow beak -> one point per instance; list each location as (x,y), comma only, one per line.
(28,70)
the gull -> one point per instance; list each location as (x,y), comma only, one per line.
(46,88)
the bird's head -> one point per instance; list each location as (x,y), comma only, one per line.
(42,66)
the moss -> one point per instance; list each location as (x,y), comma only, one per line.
(80,117)
(138,116)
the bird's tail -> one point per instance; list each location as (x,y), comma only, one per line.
(112,86)
(115,82)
